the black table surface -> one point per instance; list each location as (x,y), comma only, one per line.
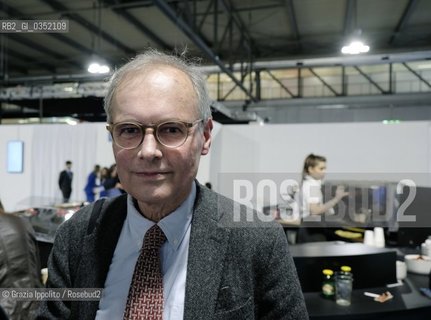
(407,303)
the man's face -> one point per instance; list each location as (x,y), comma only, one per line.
(153,174)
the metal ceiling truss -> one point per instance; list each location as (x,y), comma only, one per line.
(350,17)
(56,5)
(36,46)
(370,80)
(26,58)
(326,84)
(410,7)
(281,84)
(417,74)
(246,40)
(138,24)
(343,80)
(12,12)
(227,31)
(247,108)
(79,86)
(290,11)
(201,44)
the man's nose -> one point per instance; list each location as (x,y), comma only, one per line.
(150,148)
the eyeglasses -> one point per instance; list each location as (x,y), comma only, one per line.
(130,134)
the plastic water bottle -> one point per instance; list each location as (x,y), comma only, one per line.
(343,286)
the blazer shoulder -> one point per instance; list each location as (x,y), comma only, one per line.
(231,214)
(95,213)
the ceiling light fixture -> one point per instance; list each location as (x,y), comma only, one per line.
(98,68)
(355,47)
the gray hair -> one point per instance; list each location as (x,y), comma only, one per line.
(150,58)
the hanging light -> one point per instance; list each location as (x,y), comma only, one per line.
(97,68)
(355,47)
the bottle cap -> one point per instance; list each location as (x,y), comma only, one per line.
(346,268)
(328,272)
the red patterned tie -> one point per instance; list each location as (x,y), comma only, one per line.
(145,299)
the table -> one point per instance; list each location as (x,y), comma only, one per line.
(408,303)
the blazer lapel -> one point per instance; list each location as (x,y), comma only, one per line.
(109,230)
(207,248)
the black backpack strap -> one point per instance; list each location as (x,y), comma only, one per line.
(97,208)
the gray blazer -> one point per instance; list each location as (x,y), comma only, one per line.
(236,270)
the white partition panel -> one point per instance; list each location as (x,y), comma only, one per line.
(354,150)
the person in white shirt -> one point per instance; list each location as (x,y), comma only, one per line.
(311,197)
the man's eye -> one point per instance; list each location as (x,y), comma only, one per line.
(171,129)
(128,130)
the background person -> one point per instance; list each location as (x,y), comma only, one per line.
(19,264)
(311,196)
(93,182)
(311,201)
(111,184)
(65,181)
(210,267)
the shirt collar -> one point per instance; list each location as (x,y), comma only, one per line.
(311,179)
(174,225)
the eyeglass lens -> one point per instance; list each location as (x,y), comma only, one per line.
(130,135)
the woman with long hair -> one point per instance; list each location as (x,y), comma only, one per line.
(313,172)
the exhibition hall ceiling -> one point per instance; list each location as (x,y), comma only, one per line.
(220,32)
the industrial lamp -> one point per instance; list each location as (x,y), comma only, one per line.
(355,47)
(97,68)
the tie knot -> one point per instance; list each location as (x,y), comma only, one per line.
(154,238)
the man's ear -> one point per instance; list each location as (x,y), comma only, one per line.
(207,136)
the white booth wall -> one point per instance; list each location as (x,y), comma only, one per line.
(368,150)
(46,149)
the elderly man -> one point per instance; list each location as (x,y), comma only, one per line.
(170,248)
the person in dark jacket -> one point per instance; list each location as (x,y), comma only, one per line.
(65,181)
(19,264)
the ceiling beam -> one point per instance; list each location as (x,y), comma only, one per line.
(291,19)
(89,26)
(138,24)
(27,58)
(246,39)
(12,12)
(166,9)
(418,75)
(350,18)
(18,38)
(184,11)
(379,100)
(405,17)
(13,66)
(374,83)
(211,3)
(143,28)
(325,83)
